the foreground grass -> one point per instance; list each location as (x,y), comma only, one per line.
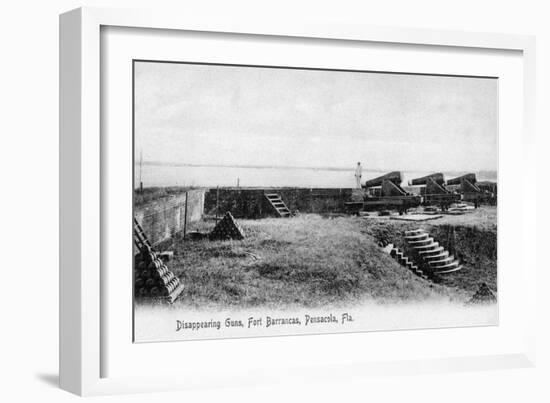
(303,261)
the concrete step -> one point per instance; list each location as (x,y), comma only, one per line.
(431,251)
(415,237)
(438,256)
(430,246)
(413,232)
(419,242)
(441,261)
(446,266)
(451,270)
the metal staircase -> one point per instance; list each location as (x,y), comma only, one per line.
(278,204)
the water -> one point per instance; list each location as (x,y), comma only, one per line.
(167,175)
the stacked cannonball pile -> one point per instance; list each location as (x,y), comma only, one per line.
(153,278)
(227,228)
(484,295)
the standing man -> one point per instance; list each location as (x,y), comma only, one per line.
(358,173)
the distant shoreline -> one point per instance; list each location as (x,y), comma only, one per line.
(485,173)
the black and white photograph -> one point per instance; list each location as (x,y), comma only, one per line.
(274,200)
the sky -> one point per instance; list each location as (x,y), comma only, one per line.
(234,115)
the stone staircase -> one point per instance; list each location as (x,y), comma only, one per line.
(278,204)
(403,260)
(429,254)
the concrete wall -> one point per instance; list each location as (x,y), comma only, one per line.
(251,203)
(164,217)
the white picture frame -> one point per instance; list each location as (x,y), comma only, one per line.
(82,344)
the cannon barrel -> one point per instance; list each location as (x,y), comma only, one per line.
(394,177)
(457,181)
(437,178)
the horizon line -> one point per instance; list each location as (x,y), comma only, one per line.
(289,167)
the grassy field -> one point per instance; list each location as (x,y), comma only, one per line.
(306,260)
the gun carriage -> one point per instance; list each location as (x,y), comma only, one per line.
(433,191)
(384,193)
(467,186)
